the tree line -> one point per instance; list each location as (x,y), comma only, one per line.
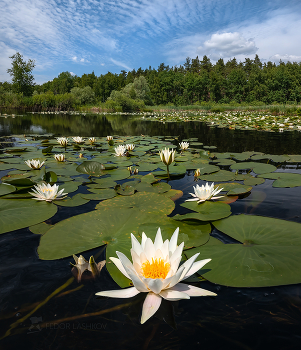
(195,82)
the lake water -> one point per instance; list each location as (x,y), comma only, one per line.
(36,315)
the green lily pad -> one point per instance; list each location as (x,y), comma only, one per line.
(149,178)
(125,190)
(6,188)
(254,181)
(16,214)
(75,201)
(234,189)
(258,168)
(144,201)
(283,179)
(222,175)
(101,194)
(262,258)
(208,211)
(91,168)
(40,229)
(174,171)
(161,187)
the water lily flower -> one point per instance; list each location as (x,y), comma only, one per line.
(92,140)
(155,270)
(167,156)
(109,138)
(47,193)
(59,157)
(184,145)
(63,141)
(204,193)
(34,164)
(120,150)
(130,147)
(78,139)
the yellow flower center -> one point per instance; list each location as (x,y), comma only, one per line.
(156,269)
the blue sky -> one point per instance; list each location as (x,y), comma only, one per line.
(81,36)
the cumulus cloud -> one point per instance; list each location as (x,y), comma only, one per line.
(229,45)
(285,58)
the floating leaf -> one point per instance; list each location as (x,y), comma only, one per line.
(258,168)
(91,168)
(269,253)
(283,179)
(222,175)
(146,202)
(208,211)
(16,214)
(6,188)
(100,194)
(75,201)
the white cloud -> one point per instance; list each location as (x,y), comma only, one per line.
(74,59)
(285,58)
(229,45)
(73,74)
(121,64)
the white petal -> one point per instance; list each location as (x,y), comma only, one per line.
(165,251)
(136,245)
(175,278)
(196,267)
(177,253)
(191,290)
(137,282)
(127,264)
(158,240)
(120,293)
(149,249)
(155,285)
(173,295)
(187,265)
(173,241)
(151,304)
(143,240)
(120,267)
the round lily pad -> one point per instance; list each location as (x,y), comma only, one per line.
(144,201)
(258,168)
(208,211)
(6,188)
(16,214)
(283,179)
(222,175)
(91,168)
(268,252)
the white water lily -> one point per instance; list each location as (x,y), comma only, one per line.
(130,147)
(155,270)
(34,164)
(167,156)
(120,150)
(59,157)
(63,141)
(204,193)
(109,138)
(184,145)
(47,193)
(78,139)
(92,140)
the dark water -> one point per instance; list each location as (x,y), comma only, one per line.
(36,315)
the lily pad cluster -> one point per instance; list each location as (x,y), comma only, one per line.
(124,203)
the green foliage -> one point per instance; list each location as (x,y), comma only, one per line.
(84,95)
(21,72)
(49,100)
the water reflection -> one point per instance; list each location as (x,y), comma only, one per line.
(226,140)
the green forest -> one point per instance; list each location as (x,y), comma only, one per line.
(196,82)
